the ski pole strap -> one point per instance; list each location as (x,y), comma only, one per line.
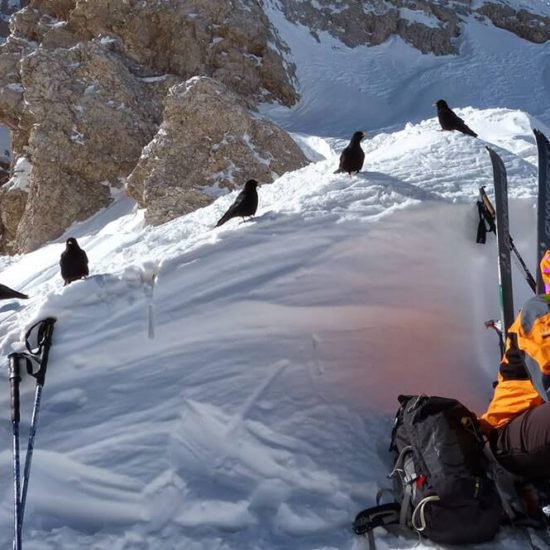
(15,378)
(41,350)
(486,212)
(481,236)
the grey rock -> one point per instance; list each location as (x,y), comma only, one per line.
(208,140)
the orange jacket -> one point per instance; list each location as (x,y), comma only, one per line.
(524,374)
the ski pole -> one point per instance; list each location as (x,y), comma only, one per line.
(41,355)
(28,456)
(495,326)
(488,211)
(526,273)
(15,379)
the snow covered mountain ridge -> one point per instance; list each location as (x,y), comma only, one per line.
(95,86)
(431,26)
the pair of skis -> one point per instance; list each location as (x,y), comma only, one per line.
(38,340)
(497,218)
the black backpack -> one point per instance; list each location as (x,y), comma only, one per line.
(440,484)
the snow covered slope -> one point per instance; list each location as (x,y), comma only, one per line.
(343,89)
(258,416)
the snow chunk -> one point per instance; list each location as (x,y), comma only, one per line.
(158,78)
(416,16)
(20,177)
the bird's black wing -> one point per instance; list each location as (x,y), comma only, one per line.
(454,119)
(241,197)
(459,124)
(233,210)
(64,264)
(344,161)
(85,269)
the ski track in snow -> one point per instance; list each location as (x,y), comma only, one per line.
(259,415)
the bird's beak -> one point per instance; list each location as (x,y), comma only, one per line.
(433,105)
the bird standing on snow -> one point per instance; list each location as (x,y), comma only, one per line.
(6,293)
(245,204)
(352,157)
(450,121)
(73,262)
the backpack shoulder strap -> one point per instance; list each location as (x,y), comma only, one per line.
(376,516)
(503,480)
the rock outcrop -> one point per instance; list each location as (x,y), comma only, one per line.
(230,41)
(208,140)
(85,120)
(82,89)
(431,26)
(530,26)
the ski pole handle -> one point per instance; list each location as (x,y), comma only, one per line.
(45,354)
(15,378)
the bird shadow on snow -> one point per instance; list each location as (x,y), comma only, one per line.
(402,187)
(13,306)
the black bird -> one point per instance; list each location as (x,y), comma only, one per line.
(245,204)
(352,157)
(6,293)
(73,262)
(450,121)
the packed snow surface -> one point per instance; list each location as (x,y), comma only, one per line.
(234,388)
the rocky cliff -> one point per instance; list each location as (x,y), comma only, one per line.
(431,26)
(86,86)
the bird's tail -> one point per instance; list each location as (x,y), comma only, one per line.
(222,220)
(6,293)
(339,171)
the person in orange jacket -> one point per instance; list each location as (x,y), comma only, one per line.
(518,418)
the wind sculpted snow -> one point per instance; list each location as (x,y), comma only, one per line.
(367,88)
(258,416)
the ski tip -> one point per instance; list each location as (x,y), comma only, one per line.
(540,137)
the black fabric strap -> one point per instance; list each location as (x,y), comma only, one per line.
(481,236)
